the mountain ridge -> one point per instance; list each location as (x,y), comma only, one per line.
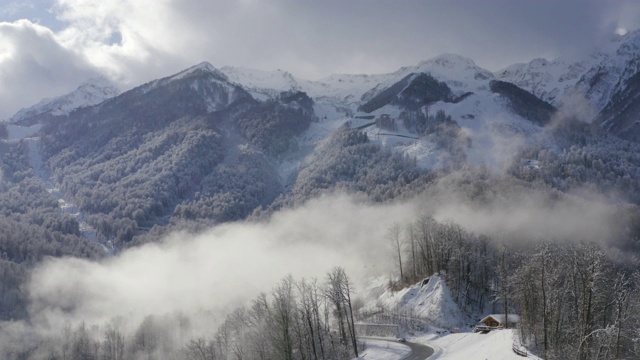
(91,92)
(438,115)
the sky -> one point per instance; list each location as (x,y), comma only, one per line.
(49,47)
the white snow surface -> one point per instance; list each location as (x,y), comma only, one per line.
(92,92)
(262,84)
(203,66)
(548,80)
(552,80)
(431,302)
(494,131)
(501,318)
(383,350)
(496,345)
(459,72)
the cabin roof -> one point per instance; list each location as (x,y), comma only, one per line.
(513,318)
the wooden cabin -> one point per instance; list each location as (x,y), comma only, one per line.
(500,321)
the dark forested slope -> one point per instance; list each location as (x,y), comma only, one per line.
(191,146)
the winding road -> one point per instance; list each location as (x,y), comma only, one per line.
(418,351)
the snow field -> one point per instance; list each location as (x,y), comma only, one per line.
(496,345)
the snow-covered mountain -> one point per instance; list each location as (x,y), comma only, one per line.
(597,77)
(492,118)
(262,84)
(211,86)
(441,112)
(93,91)
(348,89)
(450,83)
(548,80)
(493,113)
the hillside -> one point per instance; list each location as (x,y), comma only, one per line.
(191,146)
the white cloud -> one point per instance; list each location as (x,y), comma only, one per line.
(220,268)
(135,41)
(34,65)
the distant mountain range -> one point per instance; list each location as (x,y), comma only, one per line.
(210,144)
(604,78)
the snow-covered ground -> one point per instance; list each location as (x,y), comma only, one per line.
(496,345)
(431,302)
(383,350)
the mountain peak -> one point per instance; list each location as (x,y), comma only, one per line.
(454,68)
(448,60)
(203,67)
(268,83)
(97,81)
(93,91)
(196,72)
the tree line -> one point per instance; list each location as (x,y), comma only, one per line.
(576,300)
(297,320)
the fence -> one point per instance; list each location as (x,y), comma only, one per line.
(516,349)
(382,330)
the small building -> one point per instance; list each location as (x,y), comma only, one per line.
(500,321)
(386,122)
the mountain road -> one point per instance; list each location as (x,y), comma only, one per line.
(418,351)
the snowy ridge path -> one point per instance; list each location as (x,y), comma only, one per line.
(35,159)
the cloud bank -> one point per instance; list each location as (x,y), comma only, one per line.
(218,269)
(224,267)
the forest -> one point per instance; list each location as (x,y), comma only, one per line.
(295,320)
(575,299)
